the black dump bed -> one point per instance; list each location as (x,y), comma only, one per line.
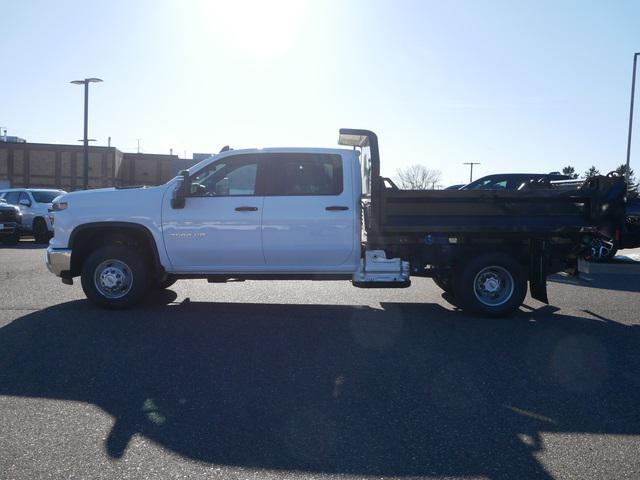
(537,208)
(541,209)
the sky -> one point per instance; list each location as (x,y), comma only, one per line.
(516,86)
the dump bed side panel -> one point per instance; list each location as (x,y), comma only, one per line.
(540,210)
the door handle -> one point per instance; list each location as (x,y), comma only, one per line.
(334,208)
(246,209)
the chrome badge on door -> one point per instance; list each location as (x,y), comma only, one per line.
(188,235)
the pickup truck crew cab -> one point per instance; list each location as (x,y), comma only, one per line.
(325,214)
(34,205)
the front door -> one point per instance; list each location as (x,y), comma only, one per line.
(219,229)
(25,202)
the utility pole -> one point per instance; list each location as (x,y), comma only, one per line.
(138,144)
(633,91)
(471,164)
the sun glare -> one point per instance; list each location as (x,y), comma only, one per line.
(261,29)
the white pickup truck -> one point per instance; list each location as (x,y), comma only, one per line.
(322,214)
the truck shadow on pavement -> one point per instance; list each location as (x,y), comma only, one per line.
(24,245)
(406,390)
(624,283)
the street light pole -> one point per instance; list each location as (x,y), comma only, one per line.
(85,140)
(633,92)
(85,143)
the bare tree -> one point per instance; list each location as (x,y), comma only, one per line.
(418,177)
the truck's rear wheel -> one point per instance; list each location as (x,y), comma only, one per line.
(115,277)
(491,285)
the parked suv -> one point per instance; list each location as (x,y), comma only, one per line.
(512,181)
(34,204)
(9,222)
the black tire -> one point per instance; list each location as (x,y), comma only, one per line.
(12,239)
(444,282)
(40,231)
(166,283)
(500,271)
(112,261)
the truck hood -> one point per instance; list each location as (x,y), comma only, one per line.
(5,207)
(112,194)
(142,206)
(109,203)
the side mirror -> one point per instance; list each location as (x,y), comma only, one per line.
(25,202)
(180,192)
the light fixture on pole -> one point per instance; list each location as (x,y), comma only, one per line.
(633,91)
(85,140)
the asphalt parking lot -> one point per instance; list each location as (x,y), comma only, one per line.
(315,380)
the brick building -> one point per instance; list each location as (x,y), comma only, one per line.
(61,166)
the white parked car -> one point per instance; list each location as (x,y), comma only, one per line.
(34,205)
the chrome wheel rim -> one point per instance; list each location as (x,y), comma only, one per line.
(493,286)
(601,248)
(113,279)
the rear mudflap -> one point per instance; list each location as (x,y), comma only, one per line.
(538,271)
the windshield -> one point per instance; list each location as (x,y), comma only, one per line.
(45,196)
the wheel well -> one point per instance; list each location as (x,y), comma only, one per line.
(87,238)
(36,220)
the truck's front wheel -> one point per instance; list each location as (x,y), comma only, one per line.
(491,285)
(115,277)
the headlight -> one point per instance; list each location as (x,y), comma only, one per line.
(58,206)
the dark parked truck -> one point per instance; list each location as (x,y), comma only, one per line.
(10,220)
(327,214)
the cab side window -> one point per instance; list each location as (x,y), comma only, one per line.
(306,174)
(24,196)
(235,176)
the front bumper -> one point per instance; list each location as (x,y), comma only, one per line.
(8,228)
(59,260)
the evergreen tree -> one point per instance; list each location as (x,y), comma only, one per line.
(622,170)
(570,171)
(592,172)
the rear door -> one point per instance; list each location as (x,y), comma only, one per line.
(308,216)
